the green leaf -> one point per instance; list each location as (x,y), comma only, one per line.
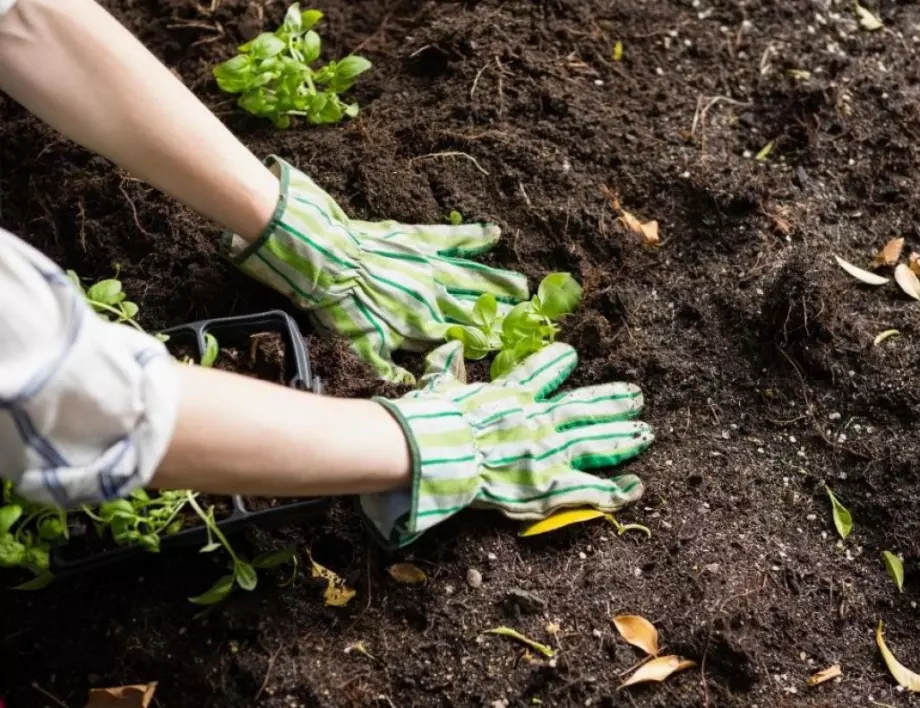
(475,343)
(217,592)
(266,45)
(310,45)
(843,520)
(455,217)
(503,363)
(272,559)
(9,515)
(895,569)
(149,542)
(350,68)
(352,110)
(51,527)
(559,295)
(485,311)
(764,152)
(246,576)
(520,322)
(293,19)
(308,18)
(332,112)
(39,582)
(12,551)
(210,547)
(129,309)
(211,350)
(37,558)
(107,292)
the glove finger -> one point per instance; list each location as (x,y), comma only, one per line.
(557,488)
(603,445)
(464,277)
(594,404)
(433,239)
(543,372)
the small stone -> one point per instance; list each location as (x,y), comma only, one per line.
(811,517)
(834,416)
(637,572)
(801,177)
(473,578)
(598,82)
(449,590)
(500,703)
(582,555)
(492,557)
(520,600)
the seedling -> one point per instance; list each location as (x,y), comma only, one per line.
(275,79)
(455,217)
(527,328)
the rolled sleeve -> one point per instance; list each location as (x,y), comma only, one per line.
(87,407)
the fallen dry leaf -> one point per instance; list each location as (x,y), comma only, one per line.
(889,254)
(136,696)
(647,231)
(867,19)
(337,594)
(618,50)
(885,335)
(639,632)
(913,261)
(904,676)
(860,274)
(826,675)
(407,573)
(561,519)
(908,280)
(658,669)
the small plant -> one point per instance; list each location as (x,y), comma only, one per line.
(527,328)
(275,80)
(455,217)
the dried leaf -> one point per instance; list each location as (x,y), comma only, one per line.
(860,274)
(618,50)
(826,675)
(658,669)
(764,152)
(407,573)
(639,632)
(137,696)
(514,634)
(866,18)
(904,676)
(647,231)
(337,594)
(889,254)
(884,335)
(913,261)
(802,74)
(895,569)
(361,648)
(843,520)
(908,281)
(561,519)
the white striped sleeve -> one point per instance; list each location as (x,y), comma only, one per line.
(87,407)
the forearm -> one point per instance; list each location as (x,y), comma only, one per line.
(78,69)
(236,435)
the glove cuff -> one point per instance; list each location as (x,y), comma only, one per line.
(445,472)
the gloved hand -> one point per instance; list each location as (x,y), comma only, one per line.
(505,445)
(384,285)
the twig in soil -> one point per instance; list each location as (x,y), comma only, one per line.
(478,76)
(82,225)
(385,697)
(501,89)
(137,221)
(268,673)
(49,696)
(524,194)
(450,153)
(699,118)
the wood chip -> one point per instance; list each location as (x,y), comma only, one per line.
(826,675)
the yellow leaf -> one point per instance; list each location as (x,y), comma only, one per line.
(639,632)
(618,50)
(884,335)
(514,634)
(860,274)
(826,675)
(866,18)
(647,231)
(658,669)
(137,696)
(336,594)
(407,573)
(764,152)
(904,676)
(560,519)
(908,280)
(889,254)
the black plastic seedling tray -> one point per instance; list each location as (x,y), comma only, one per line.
(229,331)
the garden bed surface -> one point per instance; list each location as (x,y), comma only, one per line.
(755,353)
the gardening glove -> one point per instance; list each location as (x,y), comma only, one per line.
(507,445)
(384,285)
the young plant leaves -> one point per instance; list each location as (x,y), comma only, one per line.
(503,363)
(907,280)
(407,574)
(904,676)
(217,592)
(211,350)
(639,632)
(843,520)
(861,275)
(475,343)
(9,515)
(39,582)
(764,152)
(245,575)
(485,310)
(895,569)
(827,674)
(658,669)
(273,559)
(558,295)
(514,634)
(561,519)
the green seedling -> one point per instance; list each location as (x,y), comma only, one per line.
(455,217)
(527,328)
(28,532)
(275,77)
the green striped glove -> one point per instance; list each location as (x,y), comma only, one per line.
(384,285)
(506,445)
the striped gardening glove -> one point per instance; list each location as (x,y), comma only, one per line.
(507,445)
(384,285)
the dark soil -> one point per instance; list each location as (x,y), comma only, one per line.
(754,350)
